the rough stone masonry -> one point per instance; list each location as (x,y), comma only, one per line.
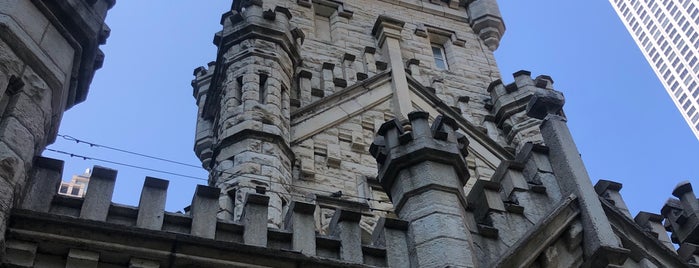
(367,133)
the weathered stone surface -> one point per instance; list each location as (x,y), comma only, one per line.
(44,180)
(151,207)
(99,197)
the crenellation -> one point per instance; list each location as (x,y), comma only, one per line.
(254,218)
(682,221)
(20,253)
(44,180)
(344,242)
(98,199)
(151,212)
(345,227)
(653,224)
(203,211)
(82,258)
(609,191)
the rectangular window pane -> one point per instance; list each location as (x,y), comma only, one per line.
(439,59)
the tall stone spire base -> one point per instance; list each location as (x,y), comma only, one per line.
(423,170)
(600,245)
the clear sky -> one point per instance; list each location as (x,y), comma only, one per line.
(626,127)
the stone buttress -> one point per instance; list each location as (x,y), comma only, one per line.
(244,102)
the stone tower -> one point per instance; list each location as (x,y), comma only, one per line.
(244,99)
(299,88)
(362,133)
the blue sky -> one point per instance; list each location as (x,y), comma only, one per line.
(626,127)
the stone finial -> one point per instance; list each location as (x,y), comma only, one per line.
(545,102)
(653,225)
(682,216)
(386,26)
(609,190)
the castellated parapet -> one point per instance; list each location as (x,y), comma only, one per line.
(508,105)
(682,220)
(93,231)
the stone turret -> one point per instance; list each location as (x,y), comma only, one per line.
(486,21)
(423,170)
(243,126)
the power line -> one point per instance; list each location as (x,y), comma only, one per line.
(92,144)
(71,138)
(124,164)
(197,178)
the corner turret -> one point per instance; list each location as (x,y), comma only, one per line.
(244,107)
(419,163)
(508,105)
(486,21)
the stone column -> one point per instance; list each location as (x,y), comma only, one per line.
(423,170)
(600,245)
(388,32)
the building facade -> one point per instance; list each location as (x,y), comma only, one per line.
(77,186)
(363,133)
(49,51)
(667,32)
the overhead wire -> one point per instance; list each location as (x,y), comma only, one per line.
(91,144)
(124,164)
(197,178)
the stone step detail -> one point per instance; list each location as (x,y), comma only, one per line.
(343,244)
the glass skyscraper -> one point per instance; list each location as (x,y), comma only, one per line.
(667,32)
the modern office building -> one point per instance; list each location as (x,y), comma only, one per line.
(667,32)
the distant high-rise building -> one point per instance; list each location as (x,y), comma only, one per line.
(667,32)
(77,187)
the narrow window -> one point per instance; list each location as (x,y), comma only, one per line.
(239,90)
(263,88)
(440,59)
(64,189)
(322,27)
(323,12)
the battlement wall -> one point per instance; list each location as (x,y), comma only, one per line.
(297,241)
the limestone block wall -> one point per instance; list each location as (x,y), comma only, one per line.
(350,53)
(48,55)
